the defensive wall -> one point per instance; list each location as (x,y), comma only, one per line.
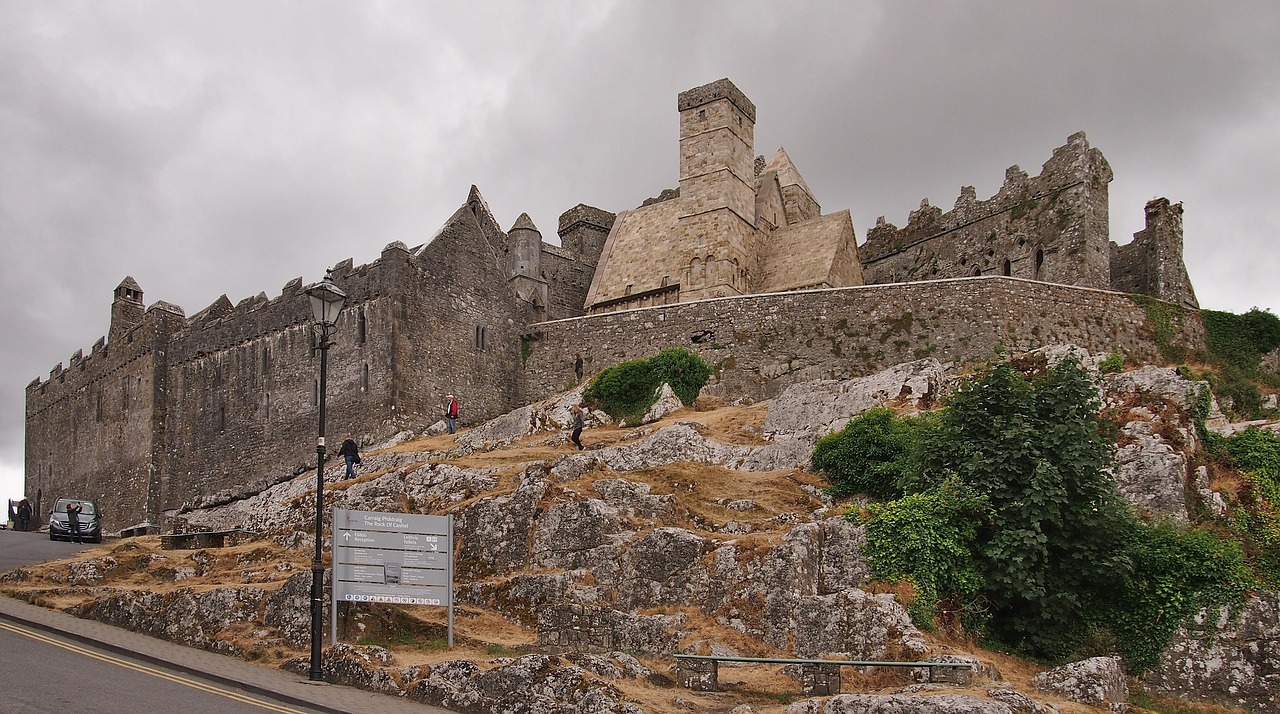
(226,401)
(760,344)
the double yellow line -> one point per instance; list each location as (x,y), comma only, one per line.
(270,706)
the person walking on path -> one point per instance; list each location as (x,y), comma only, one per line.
(24,514)
(575,437)
(73,521)
(451,413)
(577,366)
(351,453)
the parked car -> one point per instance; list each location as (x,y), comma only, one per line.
(90,520)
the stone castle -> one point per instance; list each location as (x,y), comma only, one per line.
(738,264)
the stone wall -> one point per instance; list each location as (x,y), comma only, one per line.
(90,428)
(1052,227)
(174,409)
(760,344)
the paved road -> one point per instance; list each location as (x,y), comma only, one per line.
(19,548)
(61,675)
(29,630)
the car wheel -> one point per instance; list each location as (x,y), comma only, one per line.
(52,537)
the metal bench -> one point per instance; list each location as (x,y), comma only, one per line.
(818,677)
(203,539)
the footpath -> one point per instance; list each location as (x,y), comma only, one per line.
(276,684)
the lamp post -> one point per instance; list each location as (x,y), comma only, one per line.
(326,302)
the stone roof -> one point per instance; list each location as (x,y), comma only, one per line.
(820,252)
(788,175)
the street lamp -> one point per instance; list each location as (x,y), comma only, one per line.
(326,302)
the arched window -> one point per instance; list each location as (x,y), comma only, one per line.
(1007,268)
(360,327)
(977,271)
(695,273)
(364,378)
(1039,263)
(482,338)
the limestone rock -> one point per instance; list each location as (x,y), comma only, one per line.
(856,624)
(814,409)
(1228,657)
(1097,681)
(1150,473)
(667,404)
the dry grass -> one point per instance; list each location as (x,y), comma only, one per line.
(416,635)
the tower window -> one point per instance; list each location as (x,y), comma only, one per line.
(364,378)
(360,327)
(1007,268)
(482,338)
(702,115)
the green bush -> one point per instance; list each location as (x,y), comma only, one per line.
(1241,340)
(871,455)
(925,538)
(626,391)
(1113,363)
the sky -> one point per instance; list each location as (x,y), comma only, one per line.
(228,147)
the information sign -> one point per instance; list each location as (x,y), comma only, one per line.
(397,558)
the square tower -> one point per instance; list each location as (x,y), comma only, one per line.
(716,221)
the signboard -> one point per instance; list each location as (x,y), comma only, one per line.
(398,558)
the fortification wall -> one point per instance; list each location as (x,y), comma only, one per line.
(89,427)
(1052,227)
(247,411)
(760,344)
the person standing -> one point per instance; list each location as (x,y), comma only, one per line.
(577,366)
(575,437)
(24,514)
(451,413)
(351,453)
(73,521)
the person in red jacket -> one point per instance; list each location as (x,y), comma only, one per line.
(451,413)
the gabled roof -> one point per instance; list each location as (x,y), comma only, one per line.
(788,174)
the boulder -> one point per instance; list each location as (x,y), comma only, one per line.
(1097,681)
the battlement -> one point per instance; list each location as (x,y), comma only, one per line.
(1072,164)
(719,89)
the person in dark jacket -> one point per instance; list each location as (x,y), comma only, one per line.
(575,437)
(577,366)
(351,453)
(73,521)
(24,514)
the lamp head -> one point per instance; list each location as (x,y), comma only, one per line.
(327,301)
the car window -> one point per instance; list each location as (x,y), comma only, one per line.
(86,508)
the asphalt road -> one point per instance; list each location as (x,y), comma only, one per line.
(61,675)
(19,548)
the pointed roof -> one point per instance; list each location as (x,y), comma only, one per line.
(129,283)
(788,175)
(524,223)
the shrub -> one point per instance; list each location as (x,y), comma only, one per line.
(1031,446)
(1113,363)
(871,455)
(626,391)
(1177,571)
(926,538)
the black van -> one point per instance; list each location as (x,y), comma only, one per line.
(90,520)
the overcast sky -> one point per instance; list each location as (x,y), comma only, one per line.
(229,147)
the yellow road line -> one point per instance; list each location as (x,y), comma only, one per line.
(150,670)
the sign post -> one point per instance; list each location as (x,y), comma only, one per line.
(398,558)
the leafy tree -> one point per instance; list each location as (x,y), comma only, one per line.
(1054,547)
